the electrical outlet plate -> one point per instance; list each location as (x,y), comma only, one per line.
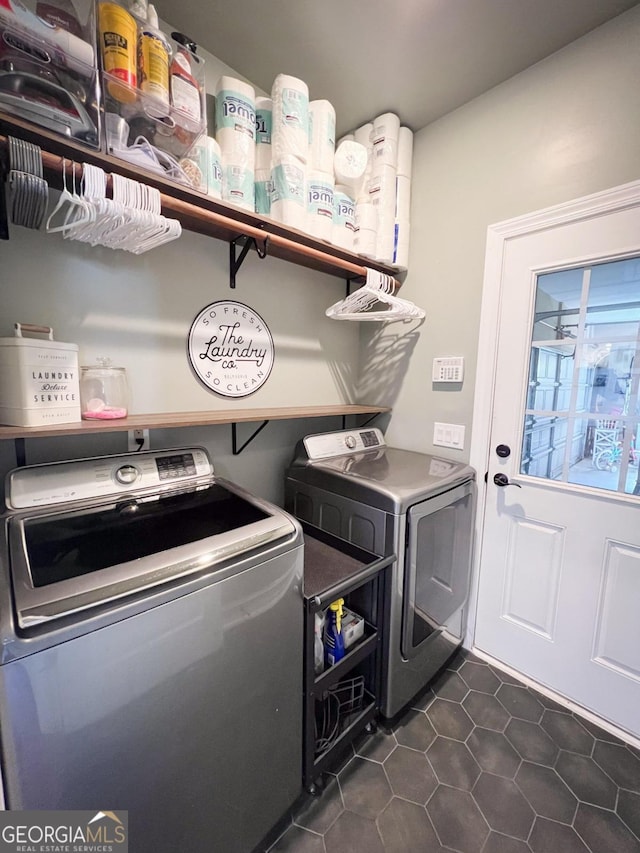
(449,435)
(135,436)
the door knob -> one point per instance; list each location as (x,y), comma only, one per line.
(503,480)
(503,450)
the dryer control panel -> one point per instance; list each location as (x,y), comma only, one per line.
(328,444)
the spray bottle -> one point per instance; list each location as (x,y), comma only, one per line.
(333,639)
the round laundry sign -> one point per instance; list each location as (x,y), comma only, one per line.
(230,349)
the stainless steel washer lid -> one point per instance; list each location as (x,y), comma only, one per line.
(386,478)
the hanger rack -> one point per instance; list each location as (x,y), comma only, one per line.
(197,212)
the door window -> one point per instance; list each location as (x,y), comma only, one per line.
(582,411)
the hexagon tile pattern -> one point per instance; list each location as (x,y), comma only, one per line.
(480,764)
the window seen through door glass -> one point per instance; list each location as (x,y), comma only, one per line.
(582,415)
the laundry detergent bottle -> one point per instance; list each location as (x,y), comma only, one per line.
(333,639)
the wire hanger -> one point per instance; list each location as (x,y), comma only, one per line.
(374,301)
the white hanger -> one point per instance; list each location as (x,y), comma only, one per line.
(378,290)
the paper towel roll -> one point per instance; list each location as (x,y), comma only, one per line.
(263,191)
(350,165)
(320,190)
(322,136)
(288,193)
(401,244)
(235,119)
(348,137)
(365,231)
(382,192)
(405,152)
(290,128)
(363,134)
(403,198)
(343,232)
(238,186)
(214,169)
(264,110)
(386,129)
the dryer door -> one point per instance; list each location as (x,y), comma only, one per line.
(437,565)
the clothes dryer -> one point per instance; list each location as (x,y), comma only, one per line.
(414,505)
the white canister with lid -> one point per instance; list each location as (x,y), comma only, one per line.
(104,391)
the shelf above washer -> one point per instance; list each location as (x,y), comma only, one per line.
(173,420)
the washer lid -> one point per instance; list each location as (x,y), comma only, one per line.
(386,477)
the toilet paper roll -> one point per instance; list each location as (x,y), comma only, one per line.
(322,136)
(343,232)
(290,128)
(405,152)
(288,193)
(264,112)
(320,191)
(263,191)
(386,130)
(350,165)
(214,169)
(403,198)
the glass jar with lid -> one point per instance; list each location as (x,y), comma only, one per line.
(104,391)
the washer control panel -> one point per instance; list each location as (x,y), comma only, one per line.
(102,476)
(326,445)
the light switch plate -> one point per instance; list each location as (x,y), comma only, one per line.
(449,435)
(449,369)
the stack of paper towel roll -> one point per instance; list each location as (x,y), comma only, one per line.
(289,151)
(264,111)
(235,119)
(320,182)
(403,197)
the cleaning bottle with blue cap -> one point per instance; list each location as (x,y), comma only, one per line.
(333,639)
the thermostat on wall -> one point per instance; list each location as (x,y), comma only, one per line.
(448,369)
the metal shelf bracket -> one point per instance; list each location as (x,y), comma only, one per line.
(236,261)
(363,424)
(234,437)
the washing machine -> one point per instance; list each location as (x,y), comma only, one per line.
(416,506)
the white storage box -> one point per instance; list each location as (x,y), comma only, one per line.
(39,379)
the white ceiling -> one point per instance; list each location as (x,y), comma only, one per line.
(418,58)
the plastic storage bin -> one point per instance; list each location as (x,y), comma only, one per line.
(143,128)
(48,67)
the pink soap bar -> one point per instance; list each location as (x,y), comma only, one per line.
(108,413)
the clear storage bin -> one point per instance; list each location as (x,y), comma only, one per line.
(104,391)
(141,128)
(48,66)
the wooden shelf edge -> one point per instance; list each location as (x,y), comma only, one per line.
(200,213)
(176,420)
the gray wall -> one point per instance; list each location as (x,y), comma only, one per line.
(138,311)
(566,127)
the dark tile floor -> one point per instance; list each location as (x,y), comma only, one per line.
(480,764)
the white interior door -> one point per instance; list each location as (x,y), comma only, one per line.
(558,596)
